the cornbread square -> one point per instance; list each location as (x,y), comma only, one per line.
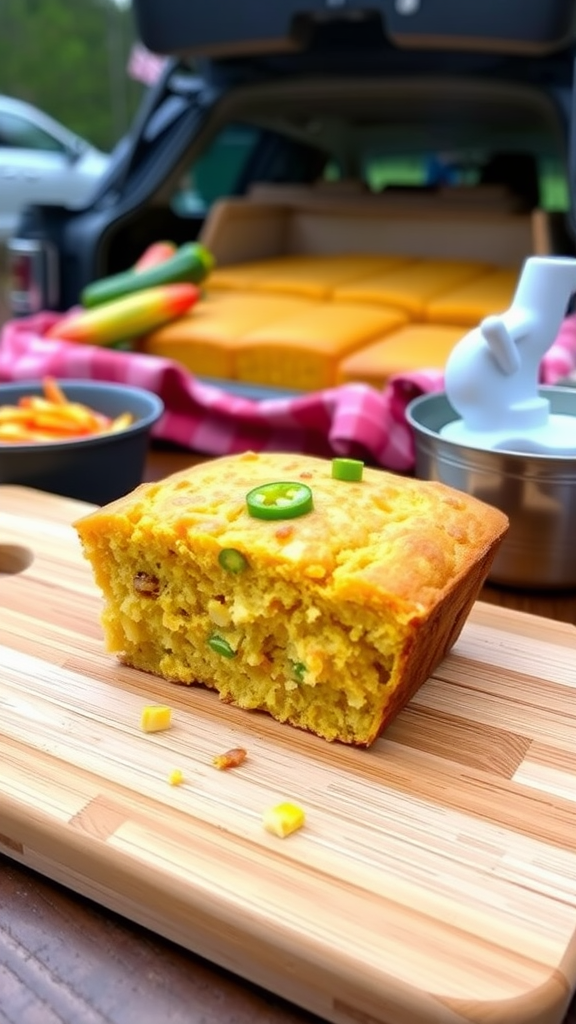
(411,288)
(471,302)
(413,347)
(312,277)
(318,276)
(329,621)
(205,339)
(245,276)
(303,351)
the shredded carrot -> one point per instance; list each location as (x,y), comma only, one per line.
(53,391)
(120,423)
(52,417)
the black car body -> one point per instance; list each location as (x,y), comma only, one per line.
(406,92)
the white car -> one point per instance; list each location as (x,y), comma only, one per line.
(41,161)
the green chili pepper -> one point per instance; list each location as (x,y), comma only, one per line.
(347,469)
(232,560)
(221,646)
(281,500)
(298,670)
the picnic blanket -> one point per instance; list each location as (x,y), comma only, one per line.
(353,420)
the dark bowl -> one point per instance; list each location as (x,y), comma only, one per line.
(96,469)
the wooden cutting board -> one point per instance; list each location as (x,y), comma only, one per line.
(435,879)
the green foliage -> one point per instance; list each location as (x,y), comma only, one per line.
(69,57)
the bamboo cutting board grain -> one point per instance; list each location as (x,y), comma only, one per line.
(435,879)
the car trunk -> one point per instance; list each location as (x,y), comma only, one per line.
(227,29)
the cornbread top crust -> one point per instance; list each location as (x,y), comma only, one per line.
(386,541)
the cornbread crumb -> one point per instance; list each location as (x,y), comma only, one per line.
(231,759)
(283,819)
(176,777)
(331,621)
(155,718)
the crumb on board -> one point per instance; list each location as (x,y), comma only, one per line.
(176,777)
(155,718)
(231,759)
(283,819)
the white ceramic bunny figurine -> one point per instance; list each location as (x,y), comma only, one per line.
(491,377)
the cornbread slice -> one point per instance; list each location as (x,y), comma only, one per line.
(412,347)
(312,277)
(411,288)
(244,276)
(205,340)
(471,302)
(318,276)
(329,621)
(304,350)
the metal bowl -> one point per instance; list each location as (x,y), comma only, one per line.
(96,469)
(537,492)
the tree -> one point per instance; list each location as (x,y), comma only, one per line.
(69,58)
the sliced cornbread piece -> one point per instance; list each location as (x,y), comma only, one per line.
(317,276)
(244,276)
(337,616)
(313,277)
(412,347)
(471,302)
(303,351)
(411,288)
(205,340)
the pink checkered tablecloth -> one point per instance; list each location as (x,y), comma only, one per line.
(353,419)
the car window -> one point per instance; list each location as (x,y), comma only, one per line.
(300,150)
(18,132)
(543,182)
(242,155)
(218,171)
(555,191)
(427,169)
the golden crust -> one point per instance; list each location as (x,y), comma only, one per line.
(366,593)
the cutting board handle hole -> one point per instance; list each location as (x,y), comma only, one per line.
(14,558)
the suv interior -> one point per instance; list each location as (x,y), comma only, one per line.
(407,102)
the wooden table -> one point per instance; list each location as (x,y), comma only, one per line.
(64,960)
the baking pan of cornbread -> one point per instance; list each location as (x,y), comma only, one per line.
(433,880)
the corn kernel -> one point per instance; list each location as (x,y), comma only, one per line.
(283,819)
(219,614)
(176,777)
(155,718)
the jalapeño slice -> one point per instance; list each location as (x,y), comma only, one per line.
(221,646)
(298,670)
(232,560)
(281,500)
(347,469)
